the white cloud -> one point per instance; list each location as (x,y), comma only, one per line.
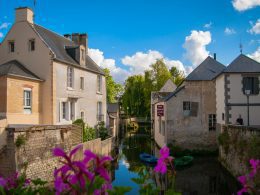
(242,5)
(229,31)
(1,35)
(255,27)
(195,45)
(255,55)
(118,73)
(208,25)
(140,61)
(4,25)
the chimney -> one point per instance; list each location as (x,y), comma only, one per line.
(68,36)
(80,39)
(215,56)
(24,14)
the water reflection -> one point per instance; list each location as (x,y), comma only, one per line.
(205,176)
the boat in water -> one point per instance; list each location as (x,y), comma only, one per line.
(183,161)
(148,158)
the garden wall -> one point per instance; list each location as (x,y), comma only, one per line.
(29,149)
(238,144)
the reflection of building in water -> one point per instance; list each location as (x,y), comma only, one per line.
(204,178)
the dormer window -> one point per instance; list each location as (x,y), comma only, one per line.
(11,46)
(31,45)
(82,54)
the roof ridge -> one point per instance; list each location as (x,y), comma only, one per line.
(55,33)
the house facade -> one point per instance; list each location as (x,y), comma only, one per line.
(187,117)
(47,78)
(157,96)
(237,92)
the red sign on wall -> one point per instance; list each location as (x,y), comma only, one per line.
(160,110)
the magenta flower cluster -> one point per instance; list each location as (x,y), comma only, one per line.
(81,176)
(164,161)
(247,181)
(13,182)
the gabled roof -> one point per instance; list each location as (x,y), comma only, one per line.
(206,71)
(58,44)
(168,86)
(243,64)
(174,93)
(112,107)
(15,68)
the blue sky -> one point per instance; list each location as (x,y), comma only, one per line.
(126,36)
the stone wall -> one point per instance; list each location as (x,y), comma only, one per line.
(29,149)
(3,124)
(238,145)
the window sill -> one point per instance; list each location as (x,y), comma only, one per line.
(70,89)
(99,93)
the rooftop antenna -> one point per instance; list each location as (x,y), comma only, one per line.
(241,47)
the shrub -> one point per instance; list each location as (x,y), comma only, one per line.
(20,140)
(79,122)
(102,131)
(89,133)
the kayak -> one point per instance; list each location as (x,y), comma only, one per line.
(148,158)
(183,161)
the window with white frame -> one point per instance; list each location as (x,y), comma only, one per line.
(31,45)
(11,46)
(82,115)
(64,110)
(212,122)
(27,101)
(100,116)
(99,83)
(82,83)
(70,77)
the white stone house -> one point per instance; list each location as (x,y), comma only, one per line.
(72,86)
(237,92)
(187,117)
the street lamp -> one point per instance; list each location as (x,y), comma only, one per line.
(247,92)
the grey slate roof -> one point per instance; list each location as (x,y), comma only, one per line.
(243,64)
(57,44)
(174,93)
(206,71)
(112,107)
(15,68)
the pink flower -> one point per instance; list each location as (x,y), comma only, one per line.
(2,182)
(242,179)
(164,160)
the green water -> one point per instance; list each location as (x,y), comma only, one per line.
(204,176)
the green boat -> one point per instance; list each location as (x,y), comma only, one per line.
(183,161)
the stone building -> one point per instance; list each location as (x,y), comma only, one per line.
(47,78)
(113,118)
(187,117)
(157,96)
(237,92)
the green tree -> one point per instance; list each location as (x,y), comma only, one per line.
(113,89)
(133,96)
(177,75)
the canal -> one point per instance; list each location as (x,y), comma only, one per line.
(204,176)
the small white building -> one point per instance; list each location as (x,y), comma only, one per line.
(237,92)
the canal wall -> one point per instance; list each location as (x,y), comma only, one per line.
(29,149)
(237,145)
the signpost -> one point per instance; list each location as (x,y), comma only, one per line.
(160,110)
